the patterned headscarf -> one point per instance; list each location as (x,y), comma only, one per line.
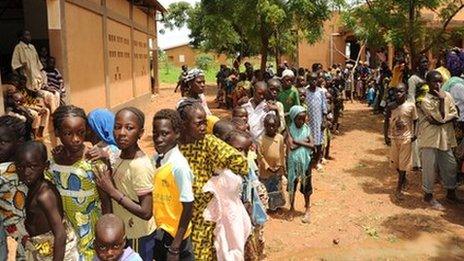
(454,63)
(192,74)
(288,72)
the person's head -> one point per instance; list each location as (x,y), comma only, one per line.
(313,80)
(25,36)
(18,80)
(222,128)
(18,99)
(300,81)
(193,120)
(298,115)
(302,94)
(129,127)
(51,62)
(271,124)
(401,93)
(259,91)
(110,238)
(195,81)
(43,52)
(70,123)
(13,132)
(239,140)
(273,86)
(240,124)
(101,123)
(240,112)
(31,161)
(287,78)
(184,68)
(242,76)
(434,80)
(167,127)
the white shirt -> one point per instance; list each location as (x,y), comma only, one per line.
(457,92)
(256,117)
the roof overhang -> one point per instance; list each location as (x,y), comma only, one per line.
(149,5)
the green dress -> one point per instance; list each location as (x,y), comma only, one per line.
(81,202)
(288,98)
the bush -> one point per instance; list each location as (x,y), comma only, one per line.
(204,61)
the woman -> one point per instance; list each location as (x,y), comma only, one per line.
(194,86)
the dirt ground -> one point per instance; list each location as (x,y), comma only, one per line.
(354,215)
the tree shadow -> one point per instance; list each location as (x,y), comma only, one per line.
(409,226)
(361,120)
(451,249)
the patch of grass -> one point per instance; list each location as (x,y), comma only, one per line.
(372,232)
(169,73)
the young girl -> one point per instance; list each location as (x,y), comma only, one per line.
(205,154)
(299,158)
(100,134)
(131,192)
(50,236)
(13,132)
(74,177)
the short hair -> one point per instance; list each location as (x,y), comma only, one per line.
(109,221)
(236,133)
(222,128)
(21,130)
(172,116)
(270,116)
(274,80)
(64,111)
(138,114)
(432,74)
(36,146)
(188,105)
(237,108)
(237,122)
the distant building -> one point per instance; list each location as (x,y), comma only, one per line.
(105,49)
(185,54)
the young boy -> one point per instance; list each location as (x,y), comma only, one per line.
(172,190)
(49,235)
(37,117)
(273,87)
(110,240)
(240,112)
(399,132)
(55,80)
(271,161)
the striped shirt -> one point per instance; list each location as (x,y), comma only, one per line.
(55,80)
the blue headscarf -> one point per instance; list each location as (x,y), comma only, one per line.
(298,161)
(102,123)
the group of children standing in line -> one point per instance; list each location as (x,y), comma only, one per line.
(111,201)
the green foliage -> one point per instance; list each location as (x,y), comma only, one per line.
(250,27)
(402,23)
(204,61)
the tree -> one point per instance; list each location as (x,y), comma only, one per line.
(249,27)
(403,23)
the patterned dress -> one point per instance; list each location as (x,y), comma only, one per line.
(81,202)
(317,107)
(205,156)
(12,205)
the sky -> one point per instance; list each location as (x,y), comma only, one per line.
(176,36)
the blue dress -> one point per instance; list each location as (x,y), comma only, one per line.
(316,107)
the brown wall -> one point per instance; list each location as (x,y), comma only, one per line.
(320,52)
(107,52)
(190,55)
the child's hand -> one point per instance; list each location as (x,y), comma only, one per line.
(58,153)
(96,153)
(105,182)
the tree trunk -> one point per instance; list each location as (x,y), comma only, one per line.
(411,35)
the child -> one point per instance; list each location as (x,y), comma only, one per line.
(37,116)
(13,132)
(271,158)
(222,128)
(288,96)
(50,236)
(74,177)
(302,95)
(273,87)
(131,192)
(299,158)
(172,194)
(100,134)
(254,247)
(400,131)
(240,112)
(110,240)
(240,124)
(55,80)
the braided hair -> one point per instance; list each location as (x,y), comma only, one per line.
(138,114)
(21,130)
(64,111)
(172,116)
(187,106)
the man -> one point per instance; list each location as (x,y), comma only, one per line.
(317,111)
(26,62)
(417,78)
(437,112)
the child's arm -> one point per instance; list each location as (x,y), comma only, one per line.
(48,202)
(142,210)
(386,126)
(305,143)
(290,142)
